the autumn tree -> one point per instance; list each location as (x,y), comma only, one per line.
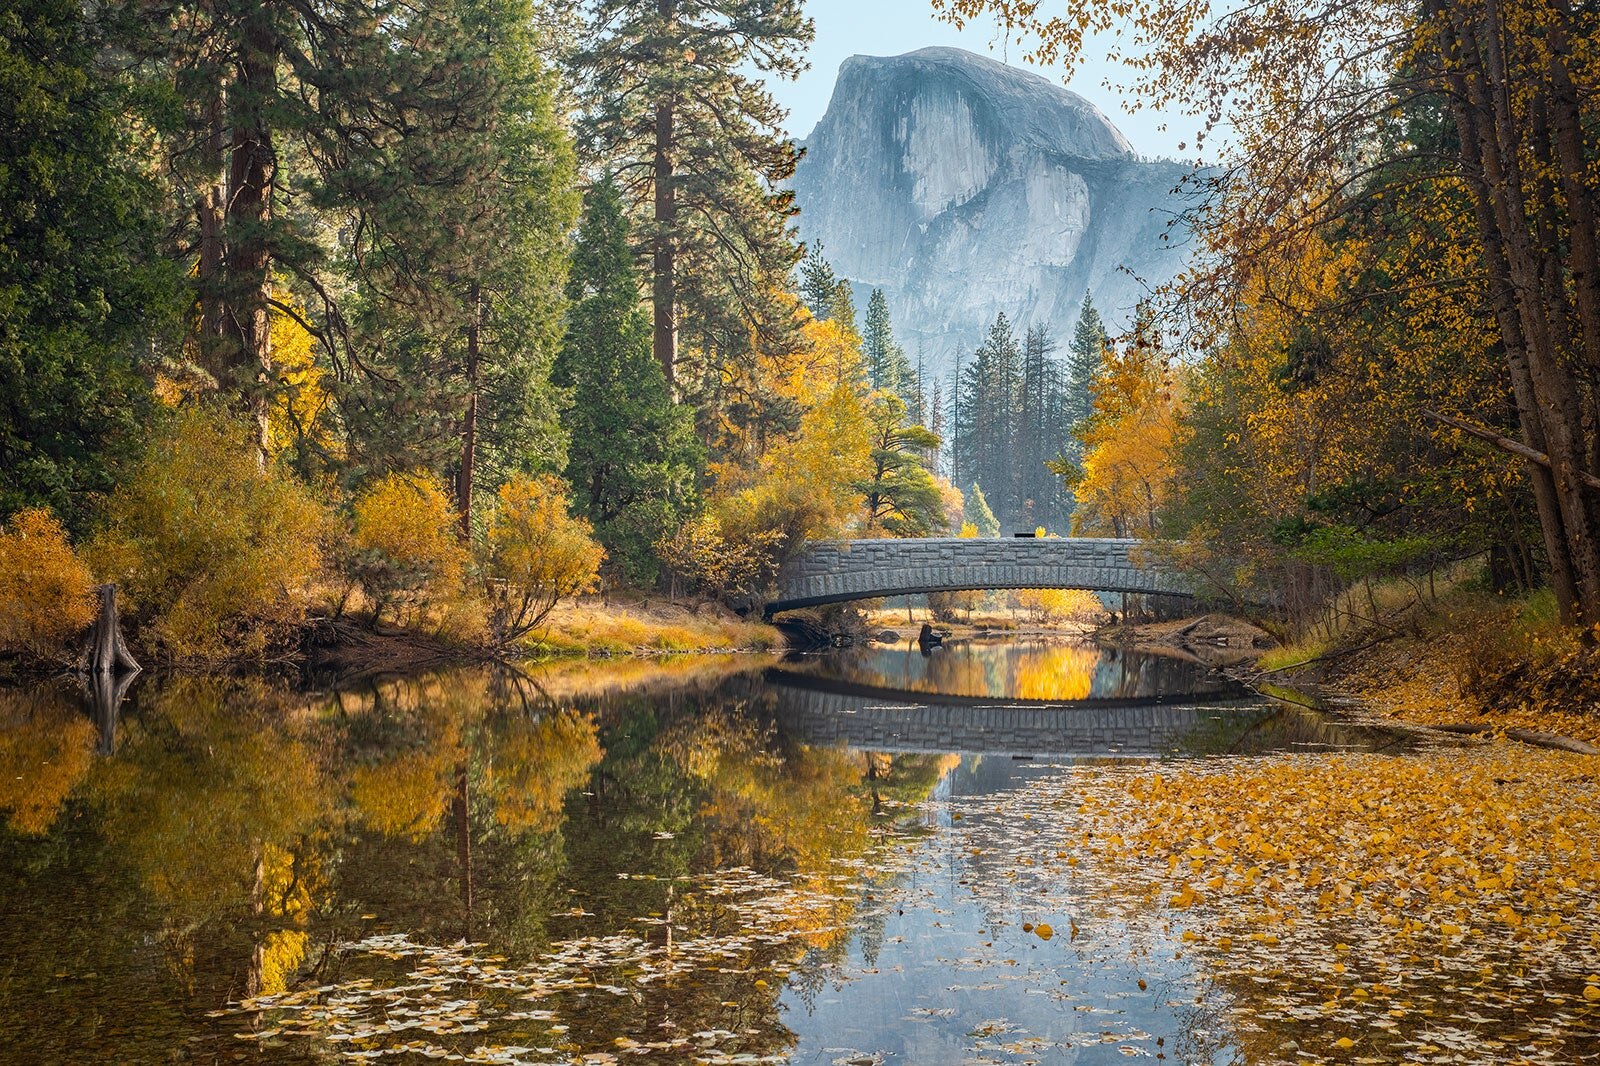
(405,549)
(1310,95)
(46,590)
(538,555)
(1122,482)
(225,587)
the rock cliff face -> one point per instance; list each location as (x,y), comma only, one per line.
(963,187)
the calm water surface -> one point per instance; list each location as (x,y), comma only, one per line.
(741,860)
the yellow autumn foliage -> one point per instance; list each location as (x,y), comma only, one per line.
(407,543)
(1353,889)
(1060,605)
(300,408)
(1127,466)
(539,554)
(1065,672)
(46,590)
(405,795)
(211,781)
(215,553)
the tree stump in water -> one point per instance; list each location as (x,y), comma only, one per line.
(107,653)
(108,667)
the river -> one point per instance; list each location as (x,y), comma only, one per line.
(830,859)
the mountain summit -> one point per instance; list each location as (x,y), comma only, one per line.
(963,187)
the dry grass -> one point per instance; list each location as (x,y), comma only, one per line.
(591,628)
(564,679)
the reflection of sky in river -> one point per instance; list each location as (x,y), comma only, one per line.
(940,969)
(1022,669)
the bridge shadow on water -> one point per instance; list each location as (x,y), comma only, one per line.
(1043,700)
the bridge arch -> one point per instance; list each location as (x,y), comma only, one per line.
(840,571)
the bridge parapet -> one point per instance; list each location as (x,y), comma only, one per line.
(838,571)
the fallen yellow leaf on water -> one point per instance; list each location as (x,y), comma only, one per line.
(1344,1043)
(1043,931)
(1591,993)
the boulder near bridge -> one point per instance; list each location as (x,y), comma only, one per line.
(838,571)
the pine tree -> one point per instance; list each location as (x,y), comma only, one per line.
(985,426)
(879,345)
(461,250)
(901,496)
(817,282)
(1040,435)
(976,511)
(674,103)
(428,205)
(83,290)
(1085,355)
(842,307)
(633,457)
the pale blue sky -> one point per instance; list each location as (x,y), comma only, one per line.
(890,27)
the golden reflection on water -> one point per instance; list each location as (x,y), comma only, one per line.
(240,831)
(1035,669)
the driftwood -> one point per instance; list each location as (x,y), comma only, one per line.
(1526,736)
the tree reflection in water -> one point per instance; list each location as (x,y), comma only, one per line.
(238,835)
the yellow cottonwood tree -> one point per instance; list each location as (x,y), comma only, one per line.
(1126,473)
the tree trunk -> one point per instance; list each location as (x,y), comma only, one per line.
(469,421)
(107,653)
(252,171)
(1581,223)
(209,269)
(663,293)
(1554,387)
(1545,395)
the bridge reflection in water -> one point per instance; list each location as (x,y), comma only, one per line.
(1044,700)
(824,712)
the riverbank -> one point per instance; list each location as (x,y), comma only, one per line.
(583,629)
(591,628)
(1469,662)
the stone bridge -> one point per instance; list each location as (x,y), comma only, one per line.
(836,571)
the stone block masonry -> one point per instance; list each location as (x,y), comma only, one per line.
(839,571)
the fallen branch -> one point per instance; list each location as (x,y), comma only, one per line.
(1525,736)
(1506,444)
